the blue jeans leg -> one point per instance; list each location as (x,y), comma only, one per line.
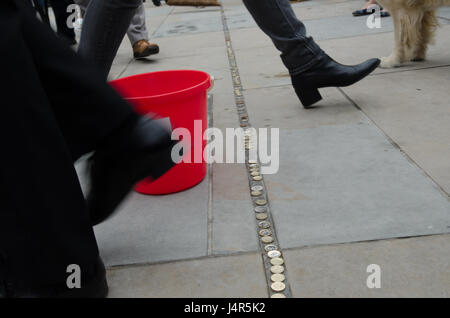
(104,26)
(277,19)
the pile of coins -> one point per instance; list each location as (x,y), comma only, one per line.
(273,259)
(265,231)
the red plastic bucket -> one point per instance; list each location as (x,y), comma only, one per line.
(180,96)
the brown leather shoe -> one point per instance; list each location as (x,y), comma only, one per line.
(144,48)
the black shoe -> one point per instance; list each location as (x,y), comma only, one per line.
(329,73)
(93,285)
(362,12)
(143,151)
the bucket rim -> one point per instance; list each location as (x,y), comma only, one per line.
(207,83)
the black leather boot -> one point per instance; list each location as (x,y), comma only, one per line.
(329,73)
(134,153)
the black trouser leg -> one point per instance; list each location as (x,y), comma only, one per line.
(54,108)
(104,26)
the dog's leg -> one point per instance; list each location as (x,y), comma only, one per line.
(397,56)
(428,28)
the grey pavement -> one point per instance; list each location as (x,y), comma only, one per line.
(364,177)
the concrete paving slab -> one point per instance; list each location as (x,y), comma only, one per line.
(416,267)
(233,217)
(231,4)
(413,109)
(239,19)
(192,9)
(240,38)
(254,75)
(189,44)
(279,107)
(224,110)
(444,12)
(152,11)
(233,227)
(190,23)
(312,10)
(224,106)
(348,183)
(153,23)
(230,277)
(149,229)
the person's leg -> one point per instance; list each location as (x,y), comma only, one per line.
(309,66)
(138,29)
(44,224)
(104,26)
(128,147)
(61,15)
(138,35)
(277,19)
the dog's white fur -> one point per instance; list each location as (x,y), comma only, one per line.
(415,24)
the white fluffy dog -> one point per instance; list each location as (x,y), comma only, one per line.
(415,23)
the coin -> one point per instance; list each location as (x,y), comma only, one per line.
(255,173)
(261,216)
(277,278)
(260,209)
(270,247)
(264,224)
(257,188)
(261,202)
(274,253)
(278,286)
(256,193)
(277,261)
(278,295)
(267,239)
(257,178)
(265,232)
(252,161)
(277,269)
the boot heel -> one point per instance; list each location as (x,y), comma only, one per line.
(308,96)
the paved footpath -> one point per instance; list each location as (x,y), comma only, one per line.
(364,178)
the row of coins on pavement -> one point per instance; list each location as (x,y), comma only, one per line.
(271,250)
(277,278)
